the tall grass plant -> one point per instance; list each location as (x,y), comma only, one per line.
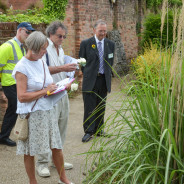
(147,143)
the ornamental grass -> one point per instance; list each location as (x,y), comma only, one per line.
(147,132)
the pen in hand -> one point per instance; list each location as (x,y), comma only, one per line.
(50,88)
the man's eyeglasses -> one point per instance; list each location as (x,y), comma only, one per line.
(61,36)
(27,32)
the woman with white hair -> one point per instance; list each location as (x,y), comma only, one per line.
(33,81)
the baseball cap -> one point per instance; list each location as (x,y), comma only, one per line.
(27,25)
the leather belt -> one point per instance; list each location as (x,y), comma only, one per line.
(100,75)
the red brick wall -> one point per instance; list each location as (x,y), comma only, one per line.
(8,30)
(20,4)
(126,19)
(69,42)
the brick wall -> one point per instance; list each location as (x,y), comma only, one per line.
(20,4)
(8,30)
(69,43)
(126,17)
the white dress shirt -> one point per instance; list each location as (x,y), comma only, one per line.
(55,60)
(102,41)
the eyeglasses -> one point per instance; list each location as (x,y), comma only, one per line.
(103,31)
(61,36)
(27,32)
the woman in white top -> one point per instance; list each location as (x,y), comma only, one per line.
(31,73)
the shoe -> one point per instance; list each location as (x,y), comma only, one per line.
(86,137)
(102,134)
(43,170)
(8,142)
(60,182)
(68,166)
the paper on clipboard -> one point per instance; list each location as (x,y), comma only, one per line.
(53,99)
(61,86)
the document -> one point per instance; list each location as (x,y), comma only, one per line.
(67,60)
(61,86)
(60,92)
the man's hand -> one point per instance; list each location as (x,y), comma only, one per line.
(69,67)
(63,68)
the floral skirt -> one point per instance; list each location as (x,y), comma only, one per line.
(43,134)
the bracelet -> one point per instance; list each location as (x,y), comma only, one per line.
(48,93)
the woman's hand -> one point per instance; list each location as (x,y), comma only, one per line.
(51,87)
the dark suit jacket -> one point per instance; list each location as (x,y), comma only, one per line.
(91,55)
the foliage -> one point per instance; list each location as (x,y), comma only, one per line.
(50,12)
(156,3)
(55,8)
(152,32)
(32,16)
(152,59)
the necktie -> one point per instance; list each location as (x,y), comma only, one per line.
(22,49)
(100,51)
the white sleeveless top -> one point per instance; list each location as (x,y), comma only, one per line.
(35,78)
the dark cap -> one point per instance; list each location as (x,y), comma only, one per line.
(27,25)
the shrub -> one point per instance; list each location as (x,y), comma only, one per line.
(53,9)
(152,33)
(150,61)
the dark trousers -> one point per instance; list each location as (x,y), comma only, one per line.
(10,116)
(94,106)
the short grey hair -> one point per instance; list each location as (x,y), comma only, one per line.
(53,27)
(35,41)
(99,22)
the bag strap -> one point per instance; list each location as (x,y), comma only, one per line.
(42,88)
(47,58)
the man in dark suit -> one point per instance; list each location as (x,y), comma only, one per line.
(99,54)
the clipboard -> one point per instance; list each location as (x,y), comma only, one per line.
(61,86)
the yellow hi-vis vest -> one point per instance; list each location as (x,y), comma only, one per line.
(10,54)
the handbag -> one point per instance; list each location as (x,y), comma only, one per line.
(21,129)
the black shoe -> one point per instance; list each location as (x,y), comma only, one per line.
(102,134)
(7,142)
(86,137)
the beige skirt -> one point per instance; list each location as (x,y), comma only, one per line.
(43,134)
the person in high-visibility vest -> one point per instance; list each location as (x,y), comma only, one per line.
(10,53)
